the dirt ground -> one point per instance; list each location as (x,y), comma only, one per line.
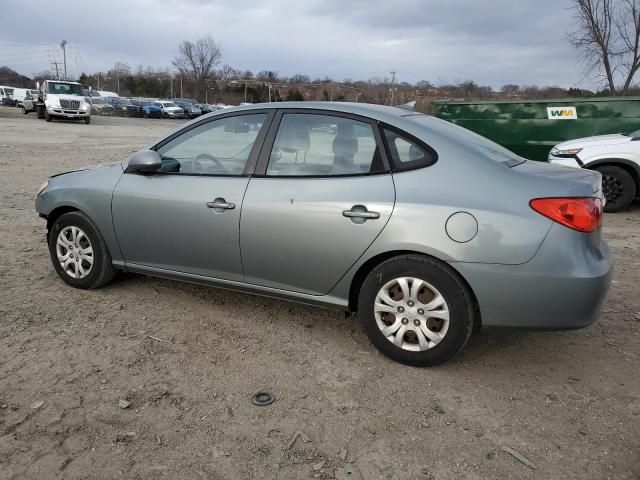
(189,358)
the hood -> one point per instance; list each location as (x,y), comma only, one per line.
(612,139)
(91,167)
(67,97)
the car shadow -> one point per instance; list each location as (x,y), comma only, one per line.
(496,346)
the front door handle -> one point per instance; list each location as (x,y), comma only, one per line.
(359,214)
(221,204)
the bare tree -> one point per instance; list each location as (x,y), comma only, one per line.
(227,72)
(197,61)
(608,35)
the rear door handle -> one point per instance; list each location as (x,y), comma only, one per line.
(221,204)
(360,211)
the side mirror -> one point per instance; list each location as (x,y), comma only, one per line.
(144,161)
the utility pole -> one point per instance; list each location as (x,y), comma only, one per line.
(55,65)
(393,86)
(75,51)
(245,91)
(63,44)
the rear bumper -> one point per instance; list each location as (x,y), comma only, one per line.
(562,287)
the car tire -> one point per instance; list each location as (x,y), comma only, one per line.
(618,186)
(47,117)
(24,110)
(445,337)
(87,120)
(76,226)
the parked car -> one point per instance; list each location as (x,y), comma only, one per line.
(423,228)
(208,108)
(169,109)
(121,106)
(616,157)
(135,108)
(191,110)
(99,106)
(27,94)
(105,94)
(6,96)
(151,110)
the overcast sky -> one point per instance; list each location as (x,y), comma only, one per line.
(493,42)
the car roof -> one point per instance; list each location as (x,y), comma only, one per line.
(377,112)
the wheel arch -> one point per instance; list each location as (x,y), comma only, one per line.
(630,167)
(371,263)
(57,212)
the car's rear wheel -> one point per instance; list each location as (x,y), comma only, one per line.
(618,187)
(416,310)
(78,252)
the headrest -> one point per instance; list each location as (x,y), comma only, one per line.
(295,138)
(345,144)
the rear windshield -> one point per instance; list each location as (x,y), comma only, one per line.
(469,139)
(634,134)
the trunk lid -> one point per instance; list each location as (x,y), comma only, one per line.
(564,181)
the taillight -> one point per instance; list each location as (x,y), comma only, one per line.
(583,214)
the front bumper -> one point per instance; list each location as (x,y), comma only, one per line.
(565,161)
(562,287)
(174,114)
(67,113)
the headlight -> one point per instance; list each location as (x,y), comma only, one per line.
(42,187)
(53,103)
(571,152)
(84,107)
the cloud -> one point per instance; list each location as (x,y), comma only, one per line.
(493,42)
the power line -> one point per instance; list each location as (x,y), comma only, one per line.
(22,45)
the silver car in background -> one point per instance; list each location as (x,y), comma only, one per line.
(423,228)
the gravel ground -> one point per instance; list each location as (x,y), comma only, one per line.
(189,358)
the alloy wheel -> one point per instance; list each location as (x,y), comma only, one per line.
(612,187)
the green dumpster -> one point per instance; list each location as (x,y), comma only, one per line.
(531,128)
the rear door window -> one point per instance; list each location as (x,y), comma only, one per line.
(323,145)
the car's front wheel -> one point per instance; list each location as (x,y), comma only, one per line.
(416,310)
(618,187)
(79,254)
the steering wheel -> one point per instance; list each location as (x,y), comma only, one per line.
(197,166)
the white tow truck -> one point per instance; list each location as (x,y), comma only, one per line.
(59,98)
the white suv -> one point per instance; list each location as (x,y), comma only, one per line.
(616,157)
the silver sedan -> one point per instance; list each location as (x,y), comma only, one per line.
(426,230)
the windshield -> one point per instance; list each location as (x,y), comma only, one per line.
(98,101)
(65,88)
(168,104)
